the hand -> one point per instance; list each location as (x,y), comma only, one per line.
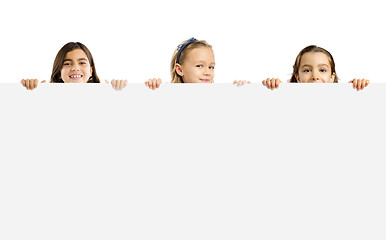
(153,83)
(360,84)
(241,82)
(118,84)
(272,83)
(30,84)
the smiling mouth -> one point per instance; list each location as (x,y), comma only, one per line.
(205,80)
(76,76)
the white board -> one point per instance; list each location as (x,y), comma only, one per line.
(192,161)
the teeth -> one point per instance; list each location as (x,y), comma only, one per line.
(75,76)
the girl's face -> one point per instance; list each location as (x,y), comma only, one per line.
(315,68)
(198,66)
(76,67)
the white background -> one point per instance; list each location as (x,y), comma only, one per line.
(134,40)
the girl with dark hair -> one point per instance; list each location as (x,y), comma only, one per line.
(314,65)
(73,64)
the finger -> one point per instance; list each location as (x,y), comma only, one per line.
(269,83)
(44,81)
(354,83)
(358,84)
(118,85)
(364,83)
(107,81)
(125,83)
(361,84)
(277,82)
(235,82)
(113,83)
(27,84)
(23,82)
(149,83)
(159,81)
(121,84)
(35,83)
(264,82)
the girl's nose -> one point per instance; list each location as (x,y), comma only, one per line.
(75,68)
(207,72)
(315,75)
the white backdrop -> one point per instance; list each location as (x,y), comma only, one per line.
(134,40)
(192,161)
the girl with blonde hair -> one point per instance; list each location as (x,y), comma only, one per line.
(192,62)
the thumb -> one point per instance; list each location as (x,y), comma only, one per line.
(44,81)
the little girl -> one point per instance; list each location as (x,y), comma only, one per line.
(314,65)
(192,62)
(73,64)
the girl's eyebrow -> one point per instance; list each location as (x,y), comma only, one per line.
(203,62)
(306,65)
(320,65)
(79,59)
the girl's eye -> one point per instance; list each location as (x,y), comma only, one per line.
(199,66)
(323,70)
(82,63)
(211,67)
(307,70)
(66,64)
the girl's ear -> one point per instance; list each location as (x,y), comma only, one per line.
(333,77)
(179,70)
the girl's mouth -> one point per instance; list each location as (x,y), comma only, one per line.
(76,76)
(205,80)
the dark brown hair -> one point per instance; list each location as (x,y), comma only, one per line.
(312,48)
(59,60)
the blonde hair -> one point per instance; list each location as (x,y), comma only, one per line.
(184,52)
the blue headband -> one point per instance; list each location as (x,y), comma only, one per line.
(182,46)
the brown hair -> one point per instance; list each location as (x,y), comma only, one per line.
(59,60)
(175,77)
(312,48)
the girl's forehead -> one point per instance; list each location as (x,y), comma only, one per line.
(314,58)
(76,54)
(201,53)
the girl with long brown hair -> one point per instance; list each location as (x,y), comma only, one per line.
(314,65)
(73,64)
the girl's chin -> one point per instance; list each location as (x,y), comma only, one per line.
(78,80)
